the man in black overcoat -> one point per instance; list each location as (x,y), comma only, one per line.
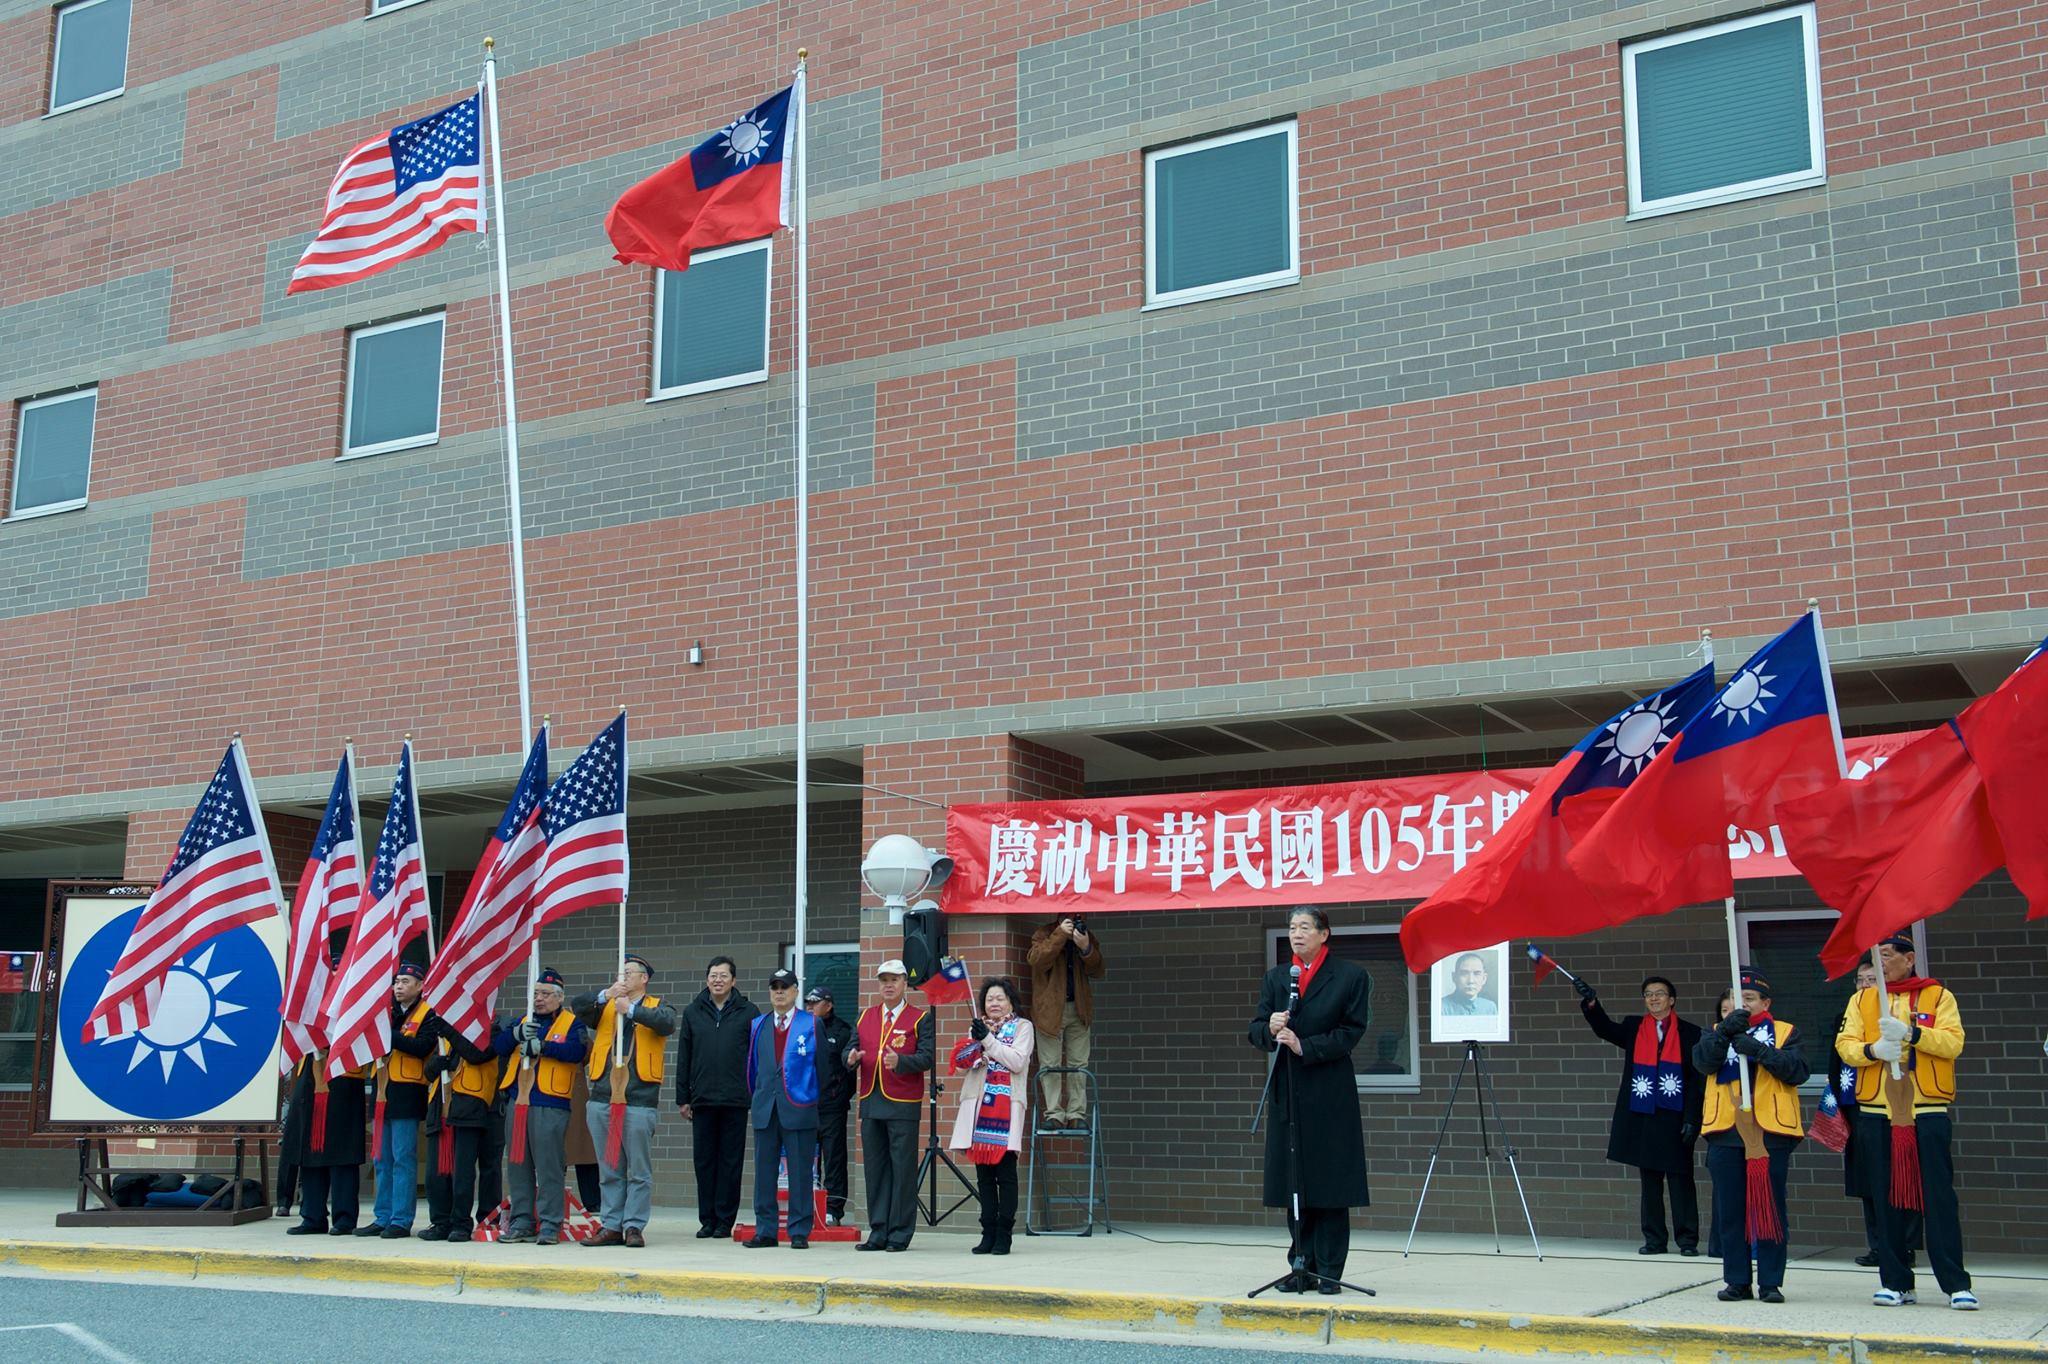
(330,1177)
(1315,1094)
(1656,1109)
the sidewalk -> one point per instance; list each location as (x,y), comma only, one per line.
(1453,1295)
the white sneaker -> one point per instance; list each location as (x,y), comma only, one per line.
(832,1221)
(1965,1301)
(1892,1297)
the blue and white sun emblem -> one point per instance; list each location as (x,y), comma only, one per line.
(1641,1085)
(746,141)
(1744,697)
(1669,1084)
(1637,735)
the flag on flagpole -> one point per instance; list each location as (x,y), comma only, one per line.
(397,196)
(329,889)
(394,910)
(1767,736)
(730,188)
(495,927)
(1519,884)
(2007,734)
(221,876)
(584,821)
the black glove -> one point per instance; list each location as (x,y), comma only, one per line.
(1747,1044)
(438,1064)
(1687,1134)
(528,1027)
(978,1028)
(1586,995)
(1736,1023)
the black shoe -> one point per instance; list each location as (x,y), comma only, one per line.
(870,1245)
(456,1237)
(1330,1288)
(396,1233)
(759,1243)
(896,1250)
(1868,1261)
(1689,1252)
(374,1229)
(986,1244)
(436,1234)
(1770,1295)
(706,1233)
(799,1243)
(1734,1294)
(1293,1283)
(307,1229)
(1649,1250)
(349,1230)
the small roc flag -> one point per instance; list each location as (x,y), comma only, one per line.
(949,984)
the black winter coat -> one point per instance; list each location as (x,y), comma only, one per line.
(462,1110)
(711,1052)
(1318,1089)
(1650,1141)
(347,1116)
(835,1078)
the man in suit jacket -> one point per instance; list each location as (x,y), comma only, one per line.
(782,1082)
(893,1048)
(1656,1109)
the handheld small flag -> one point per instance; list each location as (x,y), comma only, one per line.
(950,985)
(1543,964)
(1830,1128)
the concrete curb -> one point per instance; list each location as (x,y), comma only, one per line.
(1467,1333)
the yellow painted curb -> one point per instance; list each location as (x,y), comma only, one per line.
(1137,1311)
(65,1257)
(330,1269)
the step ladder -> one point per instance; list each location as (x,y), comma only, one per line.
(1055,1150)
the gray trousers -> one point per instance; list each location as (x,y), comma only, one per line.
(628,1191)
(547,1136)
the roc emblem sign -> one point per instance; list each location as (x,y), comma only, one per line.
(209,1052)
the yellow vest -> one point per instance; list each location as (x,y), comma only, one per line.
(1934,1077)
(649,1053)
(1775,1103)
(410,1070)
(550,1076)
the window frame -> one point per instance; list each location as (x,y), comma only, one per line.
(58,12)
(1248,284)
(655,392)
(21,411)
(1817,1077)
(1411,1083)
(1816,123)
(348,392)
(377,9)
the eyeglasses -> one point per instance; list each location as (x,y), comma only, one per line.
(1656,994)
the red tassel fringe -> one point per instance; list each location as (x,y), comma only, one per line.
(615,1135)
(515,1146)
(316,1134)
(1906,1193)
(377,1132)
(447,1149)
(1761,1207)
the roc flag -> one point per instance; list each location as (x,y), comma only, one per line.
(2007,734)
(1766,736)
(1519,884)
(19,972)
(731,188)
(949,985)
(329,889)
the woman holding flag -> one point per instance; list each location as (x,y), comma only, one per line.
(996,1054)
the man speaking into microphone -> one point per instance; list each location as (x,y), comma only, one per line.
(1311,1013)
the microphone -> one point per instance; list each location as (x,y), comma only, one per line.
(1293,988)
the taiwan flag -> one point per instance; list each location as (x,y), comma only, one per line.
(731,188)
(1767,736)
(2007,734)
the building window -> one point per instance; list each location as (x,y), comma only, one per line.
(1389,1056)
(53,453)
(1784,944)
(1728,111)
(711,321)
(394,386)
(1221,216)
(21,983)
(834,965)
(378,7)
(91,58)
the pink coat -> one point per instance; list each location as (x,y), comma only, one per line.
(1016,1058)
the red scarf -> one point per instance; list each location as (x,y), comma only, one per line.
(1656,1072)
(1309,968)
(1909,985)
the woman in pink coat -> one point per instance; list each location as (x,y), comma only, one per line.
(994,1107)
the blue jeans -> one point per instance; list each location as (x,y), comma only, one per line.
(398,1173)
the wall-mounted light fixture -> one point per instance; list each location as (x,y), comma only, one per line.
(697,654)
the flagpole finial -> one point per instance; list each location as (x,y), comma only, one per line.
(1813,603)
(803,54)
(408,736)
(489,43)
(235,737)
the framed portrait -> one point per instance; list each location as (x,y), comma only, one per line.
(1468,996)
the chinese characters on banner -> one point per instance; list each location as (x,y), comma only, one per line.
(1287,845)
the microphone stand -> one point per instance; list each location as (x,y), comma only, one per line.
(1273,1056)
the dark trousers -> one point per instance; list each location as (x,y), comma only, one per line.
(889,1160)
(996,1185)
(832,1160)
(1941,1224)
(478,1179)
(1685,1208)
(773,1145)
(1730,1171)
(718,1145)
(589,1188)
(287,1182)
(332,1194)
(1320,1239)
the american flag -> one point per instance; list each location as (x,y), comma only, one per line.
(495,928)
(394,909)
(584,818)
(329,891)
(220,877)
(397,196)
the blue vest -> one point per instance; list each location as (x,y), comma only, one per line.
(798,1081)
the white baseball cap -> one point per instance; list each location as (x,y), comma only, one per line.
(892,967)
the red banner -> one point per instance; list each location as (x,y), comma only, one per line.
(1284,845)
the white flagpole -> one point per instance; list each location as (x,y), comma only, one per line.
(514,509)
(1734,935)
(801,230)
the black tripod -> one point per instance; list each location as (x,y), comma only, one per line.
(1297,1261)
(935,1154)
(1475,1057)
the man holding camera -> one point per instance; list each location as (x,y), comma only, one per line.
(1065,961)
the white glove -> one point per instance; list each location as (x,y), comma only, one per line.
(1887,1049)
(1894,1029)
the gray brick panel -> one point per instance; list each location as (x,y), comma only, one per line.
(846,141)
(391,506)
(60,563)
(124,316)
(1718,291)
(91,149)
(1211,53)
